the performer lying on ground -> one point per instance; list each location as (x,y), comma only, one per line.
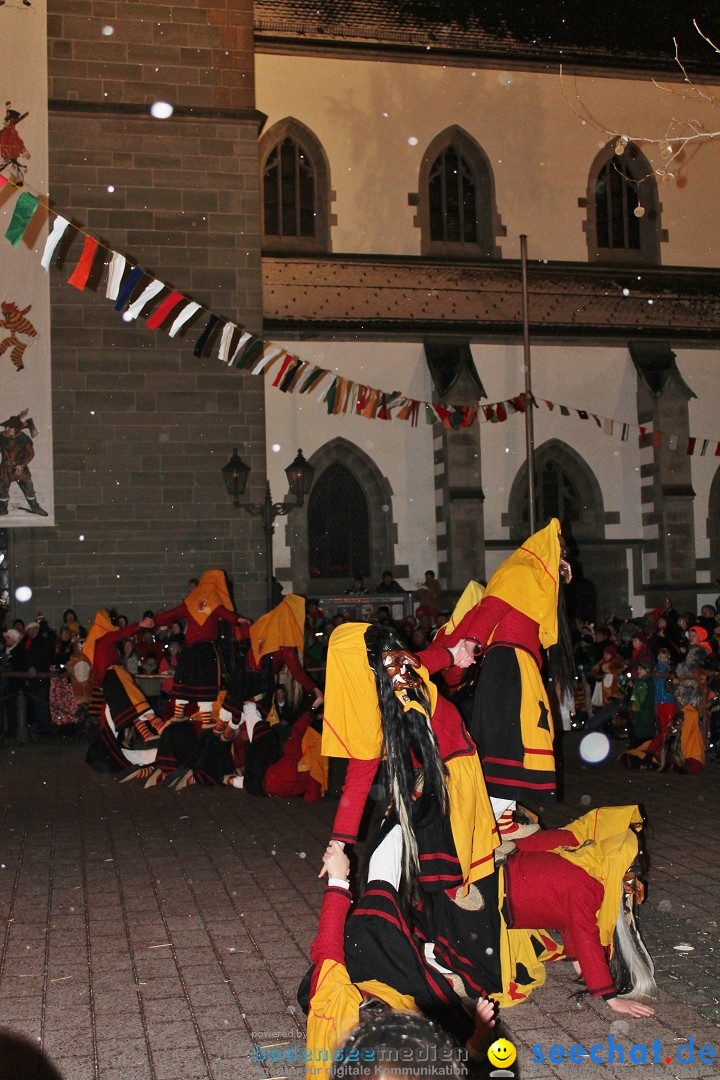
(581,881)
(303,769)
(471,938)
(336,1002)
(247,756)
(129,729)
(511,721)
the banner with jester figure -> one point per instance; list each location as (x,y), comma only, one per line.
(26,464)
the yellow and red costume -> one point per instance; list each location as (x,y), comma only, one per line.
(516,618)
(353,729)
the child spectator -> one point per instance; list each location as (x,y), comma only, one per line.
(642,705)
(608,688)
(664,701)
(130,658)
(641,653)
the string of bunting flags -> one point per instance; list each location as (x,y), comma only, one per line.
(239,348)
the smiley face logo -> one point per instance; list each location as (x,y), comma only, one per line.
(502,1053)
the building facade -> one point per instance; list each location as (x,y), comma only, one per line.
(401,162)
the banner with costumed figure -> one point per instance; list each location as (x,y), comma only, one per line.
(26,465)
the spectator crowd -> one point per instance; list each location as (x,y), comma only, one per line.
(631,675)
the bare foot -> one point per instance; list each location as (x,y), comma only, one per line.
(630,1008)
(576,967)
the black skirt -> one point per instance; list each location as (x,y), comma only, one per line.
(197,675)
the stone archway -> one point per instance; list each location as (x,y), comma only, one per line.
(567,488)
(381,530)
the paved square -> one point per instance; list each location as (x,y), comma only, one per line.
(148,934)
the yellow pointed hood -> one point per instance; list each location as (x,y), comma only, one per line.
(529,579)
(471,596)
(352,726)
(283,626)
(101,626)
(209,594)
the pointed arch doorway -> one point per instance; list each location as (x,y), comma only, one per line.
(346,527)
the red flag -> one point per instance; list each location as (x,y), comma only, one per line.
(159,316)
(81,273)
(285,365)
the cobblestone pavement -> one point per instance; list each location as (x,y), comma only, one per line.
(146,935)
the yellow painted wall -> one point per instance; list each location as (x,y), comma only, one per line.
(375,119)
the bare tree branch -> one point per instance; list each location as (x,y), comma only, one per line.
(680,132)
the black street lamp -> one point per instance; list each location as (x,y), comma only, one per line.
(300,478)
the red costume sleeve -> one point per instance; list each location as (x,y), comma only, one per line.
(329,943)
(436,657)
(358,781)
(226,614)
(481,620)
(287,656)
(547,840)
(162,618)
(106,652)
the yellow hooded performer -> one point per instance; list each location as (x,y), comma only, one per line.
(380,706)
(511,721)
(128,728)
(583,881)
(197,675)
(273,642)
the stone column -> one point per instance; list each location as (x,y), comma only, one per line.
(666,488)
(459,497)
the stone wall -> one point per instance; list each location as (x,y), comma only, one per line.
(141,426)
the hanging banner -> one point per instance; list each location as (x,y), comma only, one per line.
(26,465)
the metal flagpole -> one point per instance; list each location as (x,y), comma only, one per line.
(529,429)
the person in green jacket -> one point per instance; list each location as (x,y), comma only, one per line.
(642,715)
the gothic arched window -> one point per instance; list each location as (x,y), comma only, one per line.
(289,191)
(457,213)
(295,189)
(556,494)
(565,488)
(623,222)
(338,525)
(453,200)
